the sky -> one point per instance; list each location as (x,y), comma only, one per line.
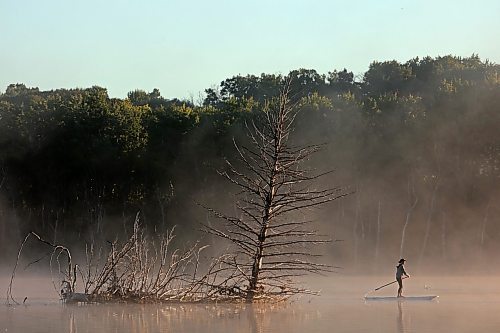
(183,47)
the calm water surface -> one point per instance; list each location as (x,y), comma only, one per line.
(466,304)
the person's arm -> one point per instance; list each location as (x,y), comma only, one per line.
(406,274)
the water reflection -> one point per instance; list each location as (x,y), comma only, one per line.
(255,322)
(342,309)
(72,327)
(399,322)
(182,318)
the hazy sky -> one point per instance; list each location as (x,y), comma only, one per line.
(185,46)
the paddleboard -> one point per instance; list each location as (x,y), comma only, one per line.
(405,298)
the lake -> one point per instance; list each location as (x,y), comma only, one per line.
(465,304)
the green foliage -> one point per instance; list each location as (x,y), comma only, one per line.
(74,149)
(386,77)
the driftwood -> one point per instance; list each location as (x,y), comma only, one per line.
(141,269)
(57,251)
(68,296)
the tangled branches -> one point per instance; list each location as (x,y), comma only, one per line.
(141,269)
(273,241)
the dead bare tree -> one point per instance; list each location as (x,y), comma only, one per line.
(272,234)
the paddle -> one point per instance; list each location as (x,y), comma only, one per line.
(388,284)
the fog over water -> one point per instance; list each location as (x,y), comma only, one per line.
(465,304)
(414,144)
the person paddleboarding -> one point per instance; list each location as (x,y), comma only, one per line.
(400,271)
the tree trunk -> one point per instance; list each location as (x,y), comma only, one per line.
(377,240)
(355,230)
(483,228)
(443,237)
(429,220)
(257,260)
(412,203)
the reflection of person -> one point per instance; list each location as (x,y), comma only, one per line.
(400,324)
(400,271)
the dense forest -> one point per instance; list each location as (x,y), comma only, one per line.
(417,144)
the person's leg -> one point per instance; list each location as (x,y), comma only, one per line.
(400,289)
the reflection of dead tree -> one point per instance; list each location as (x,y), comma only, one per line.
(272,237)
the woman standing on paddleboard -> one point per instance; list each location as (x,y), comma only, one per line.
(400,271)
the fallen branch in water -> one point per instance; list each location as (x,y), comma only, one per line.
(69,273)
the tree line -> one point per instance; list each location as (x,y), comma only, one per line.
(416,142)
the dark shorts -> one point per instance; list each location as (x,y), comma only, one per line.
(400,281)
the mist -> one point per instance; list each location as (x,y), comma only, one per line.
(415,144)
